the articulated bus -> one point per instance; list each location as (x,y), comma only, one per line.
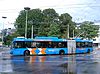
(49,46)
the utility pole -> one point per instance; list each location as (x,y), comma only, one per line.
(32,32)
(73,33)
(68,32)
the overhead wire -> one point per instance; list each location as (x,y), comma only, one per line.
(69,6)
(59,6)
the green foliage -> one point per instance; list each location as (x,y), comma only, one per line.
(41,21)
(50,15)
(54,30)
(65,20)
(88,30)
(9,38)
(49,23)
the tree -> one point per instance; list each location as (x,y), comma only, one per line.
(20,23)
(50,15)
(35,16)
(88,30)
(54,30)
(44,22)
(8,39)
(65,20)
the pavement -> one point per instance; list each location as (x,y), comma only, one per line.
(52,64)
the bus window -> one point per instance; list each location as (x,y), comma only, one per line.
(33,44)
(86,44)
(37,44)
(51,44)
(77,44)
(90,44)
(59,44)
(62,45)
(28,44)
(82,44)
(54,45)
(42,44)
(19,44)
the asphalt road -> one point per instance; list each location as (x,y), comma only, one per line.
(55,64)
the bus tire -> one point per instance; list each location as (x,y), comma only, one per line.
(88,51)
(26,53)
(61,52)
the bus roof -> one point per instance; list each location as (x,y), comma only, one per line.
(82,40)
(22,39)
(48,39)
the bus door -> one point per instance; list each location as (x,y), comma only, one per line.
(71,46)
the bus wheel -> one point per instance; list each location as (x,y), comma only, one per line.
(62,52)
(88,51)
(26,53)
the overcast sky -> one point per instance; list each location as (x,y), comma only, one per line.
(80,10)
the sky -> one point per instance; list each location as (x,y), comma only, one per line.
(80,10)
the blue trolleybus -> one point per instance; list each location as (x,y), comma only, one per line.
(49,45)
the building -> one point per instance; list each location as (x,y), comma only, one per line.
(10,31)
(5,33)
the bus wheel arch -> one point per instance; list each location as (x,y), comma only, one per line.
(61,52)
(26,53)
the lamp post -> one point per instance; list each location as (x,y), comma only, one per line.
(3,30)
(26,9)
